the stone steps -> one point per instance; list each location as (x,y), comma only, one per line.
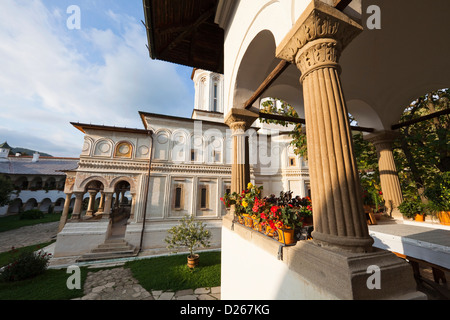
(111,249)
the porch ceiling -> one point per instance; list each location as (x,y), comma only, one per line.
(184,32)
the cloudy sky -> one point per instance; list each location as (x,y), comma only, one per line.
(101,73)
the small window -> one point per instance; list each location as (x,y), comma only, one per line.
(292,162)
(215,97)
(203,197)
(178,192)
(217,156)
(193,155)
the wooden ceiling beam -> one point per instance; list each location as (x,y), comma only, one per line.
(205,16)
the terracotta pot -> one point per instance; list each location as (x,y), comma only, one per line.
(192,261)
(419,217)
(248,221)
(286,236)
(444,217)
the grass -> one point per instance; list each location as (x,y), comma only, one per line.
(162,273)
(13,222)
(51,285)
(5,257)
(172,273)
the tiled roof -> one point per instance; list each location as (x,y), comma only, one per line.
(5,145)
(45,166)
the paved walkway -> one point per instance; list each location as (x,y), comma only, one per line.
(27,236)
(119,284)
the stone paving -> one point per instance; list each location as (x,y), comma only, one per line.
(119,284)
(27,236)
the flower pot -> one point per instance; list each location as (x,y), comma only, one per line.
(269,231)
(444,217)
(248,221)
(192,261)
(256,225)
(419,217)
(241,219)
(286,236)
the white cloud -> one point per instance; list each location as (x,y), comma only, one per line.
(51,75)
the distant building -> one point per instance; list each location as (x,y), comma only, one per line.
(39,181)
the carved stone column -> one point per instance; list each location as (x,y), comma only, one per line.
(107,210)
(65,213)
(90,209)
(239,121)
(77,205)
(315,44)
(390,184)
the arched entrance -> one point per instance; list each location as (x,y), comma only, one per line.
(121,208)
(93,209)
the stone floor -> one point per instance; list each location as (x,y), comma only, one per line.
(119,284)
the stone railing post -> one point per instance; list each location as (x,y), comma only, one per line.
(239,121)
(315,44)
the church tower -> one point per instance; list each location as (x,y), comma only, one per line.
(208,103)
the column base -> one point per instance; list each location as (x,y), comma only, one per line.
(348,276)
(351,244)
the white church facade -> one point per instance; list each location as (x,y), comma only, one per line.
(141,182)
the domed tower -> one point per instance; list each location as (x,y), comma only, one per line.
(208,103)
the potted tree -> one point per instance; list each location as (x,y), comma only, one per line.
(190,234)
(412,208)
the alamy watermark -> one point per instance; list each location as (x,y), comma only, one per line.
(73,22)
(73,281)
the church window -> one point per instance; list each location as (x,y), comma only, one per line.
(203,197)
(215,98)
(292,161)
(178,192)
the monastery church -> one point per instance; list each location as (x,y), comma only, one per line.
(141,182)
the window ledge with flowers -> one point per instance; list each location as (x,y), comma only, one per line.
(284,219)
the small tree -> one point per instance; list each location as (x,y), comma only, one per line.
(6,188)
(188,234)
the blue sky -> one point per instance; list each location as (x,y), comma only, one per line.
(100,74)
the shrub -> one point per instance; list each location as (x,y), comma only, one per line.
(26,265)
(32,214)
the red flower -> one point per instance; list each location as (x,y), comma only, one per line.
(274,209)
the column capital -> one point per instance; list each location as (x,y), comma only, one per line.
(382,140)
(318,21)
(239,119)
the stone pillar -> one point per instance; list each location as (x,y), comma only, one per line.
(90,209)
(239,121)
(107,210)
(314,45)
(77,205)
(101,203)
(65,213)
(390,184)
(133,202)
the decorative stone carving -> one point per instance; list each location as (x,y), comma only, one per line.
(318,21)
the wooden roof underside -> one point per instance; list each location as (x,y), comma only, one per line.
(184,32)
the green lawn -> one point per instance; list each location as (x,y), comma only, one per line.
(51,285)
(172,273)
(14,222)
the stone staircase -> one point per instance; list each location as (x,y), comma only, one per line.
(111,249)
